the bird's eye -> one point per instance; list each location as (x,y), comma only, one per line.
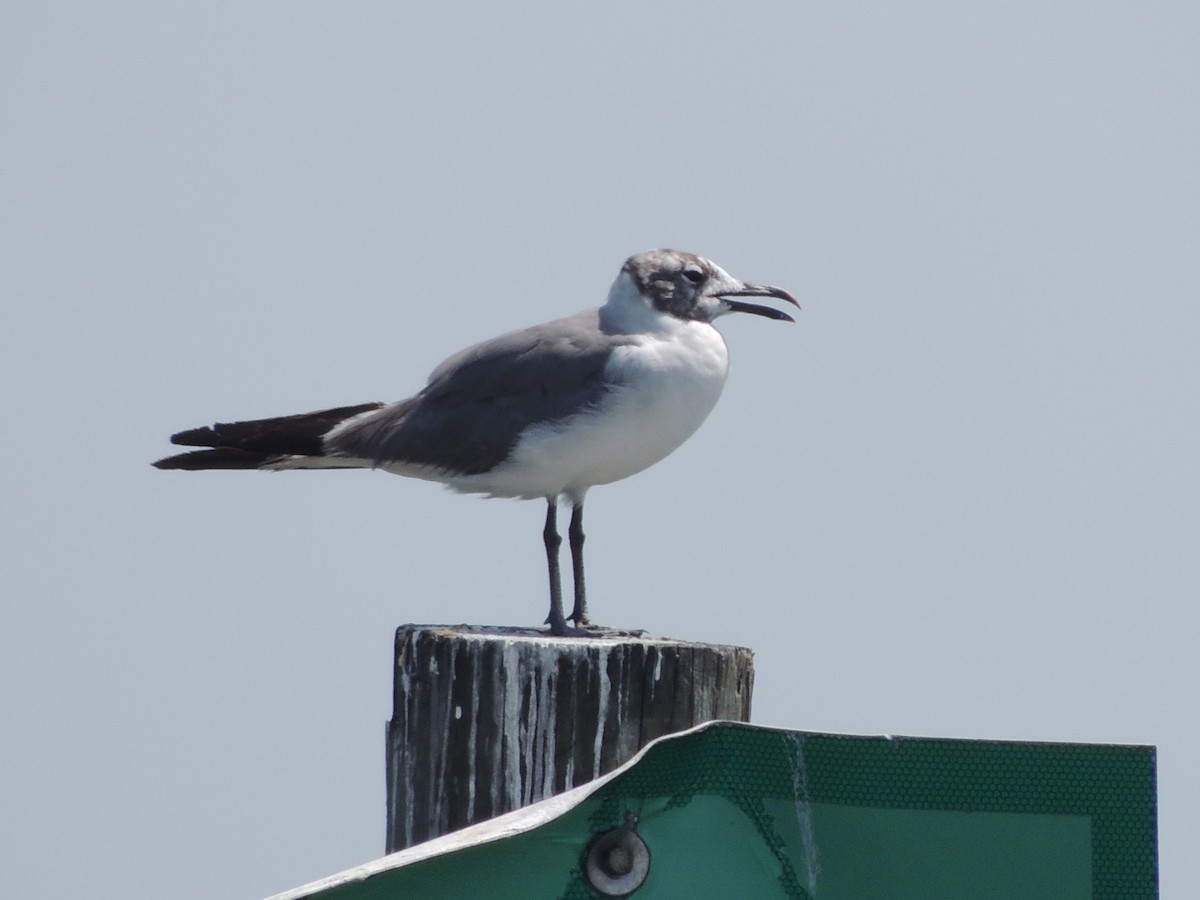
(695,276)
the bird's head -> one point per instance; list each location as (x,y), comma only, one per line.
(691,287)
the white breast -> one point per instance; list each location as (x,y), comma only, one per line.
(666,382)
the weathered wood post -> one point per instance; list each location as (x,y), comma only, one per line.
(487,720)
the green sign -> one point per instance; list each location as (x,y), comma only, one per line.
(730,810)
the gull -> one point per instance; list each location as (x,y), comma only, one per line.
(546,412)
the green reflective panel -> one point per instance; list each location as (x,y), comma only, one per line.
(927,855)
(732,810)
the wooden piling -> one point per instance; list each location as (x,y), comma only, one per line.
(487,720)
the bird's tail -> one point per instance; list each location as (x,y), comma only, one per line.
(285,442)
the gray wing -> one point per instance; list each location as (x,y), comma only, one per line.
(477,403)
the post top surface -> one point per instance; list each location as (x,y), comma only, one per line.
(599,637)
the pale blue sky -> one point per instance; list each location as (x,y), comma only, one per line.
(959,498)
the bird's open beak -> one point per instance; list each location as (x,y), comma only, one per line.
(759,290)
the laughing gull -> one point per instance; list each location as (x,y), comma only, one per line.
(546,412)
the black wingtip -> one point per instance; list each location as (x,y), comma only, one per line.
(263,439)
(219,458)
(196,437)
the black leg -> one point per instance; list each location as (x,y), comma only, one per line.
(575,532)
(558,625)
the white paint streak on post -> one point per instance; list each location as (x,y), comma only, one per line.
(601,669)
(473,651)
(548,715)
(441,814)
(509,705)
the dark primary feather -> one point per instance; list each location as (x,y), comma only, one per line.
(248,445)
(220,458)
